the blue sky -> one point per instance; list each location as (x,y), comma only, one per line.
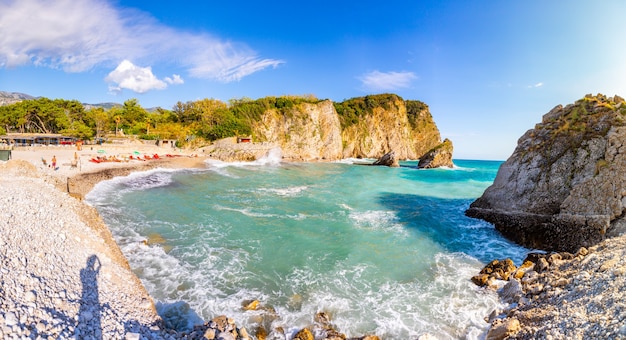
(488,69)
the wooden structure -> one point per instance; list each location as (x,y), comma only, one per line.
(36,139)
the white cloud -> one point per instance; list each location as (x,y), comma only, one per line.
(79,35)
(174,80)
(385,81)
(138,79)
(536,85)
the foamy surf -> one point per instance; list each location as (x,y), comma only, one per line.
(285,192)
(272,158)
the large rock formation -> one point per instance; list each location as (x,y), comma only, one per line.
(364,127)
(304,132)
(389,159)
(439,156)
(376,124)
(565,184)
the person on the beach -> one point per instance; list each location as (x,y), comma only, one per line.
(54,162)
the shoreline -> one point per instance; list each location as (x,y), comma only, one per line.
(25,171)
(62,274)
(114,312)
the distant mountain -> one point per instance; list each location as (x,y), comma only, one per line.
(8,98)
(105,106)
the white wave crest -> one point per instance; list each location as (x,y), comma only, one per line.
(153,178)
(286,192)
(377,220)
(272,158)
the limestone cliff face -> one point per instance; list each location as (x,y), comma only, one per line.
(310,130)
(304,132)
(565,184)
(366,127)
(375,125)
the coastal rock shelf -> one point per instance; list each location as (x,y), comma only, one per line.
(565,184)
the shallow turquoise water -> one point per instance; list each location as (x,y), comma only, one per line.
(382,250)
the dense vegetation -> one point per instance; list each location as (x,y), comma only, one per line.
(351,110)
(206,119)
(201,120)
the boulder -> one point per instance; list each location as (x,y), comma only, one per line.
(439,156)
(388,159)
(495,270)
(304,334)
(564,186)
(503,329)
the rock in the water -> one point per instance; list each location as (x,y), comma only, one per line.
(251,305)
(565,184)
(304,334)
(494,270)
(388,159)
(439,156)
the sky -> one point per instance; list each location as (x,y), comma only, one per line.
(488,70)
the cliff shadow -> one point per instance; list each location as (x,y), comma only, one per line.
(443,221)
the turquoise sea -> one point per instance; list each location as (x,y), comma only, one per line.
(385,251)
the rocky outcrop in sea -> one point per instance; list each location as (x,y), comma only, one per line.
(564,187)
(437,157)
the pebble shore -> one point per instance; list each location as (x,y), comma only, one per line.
(61,274)
(583,297)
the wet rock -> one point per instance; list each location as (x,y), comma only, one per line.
(511,292)
(496,270)
(367,337)
(261,333)
(219,323)
(251,305)
(523,269)
(304,334)
(322,318)
(209,334)
(439,156)
(389,159)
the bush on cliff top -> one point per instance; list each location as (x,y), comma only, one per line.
(351,110)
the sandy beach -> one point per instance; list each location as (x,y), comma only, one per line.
(76,173)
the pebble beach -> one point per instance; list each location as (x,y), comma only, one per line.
(61,273)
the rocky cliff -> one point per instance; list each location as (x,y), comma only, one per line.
(564,186)
(304,132)
(363,127)
(376,124)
